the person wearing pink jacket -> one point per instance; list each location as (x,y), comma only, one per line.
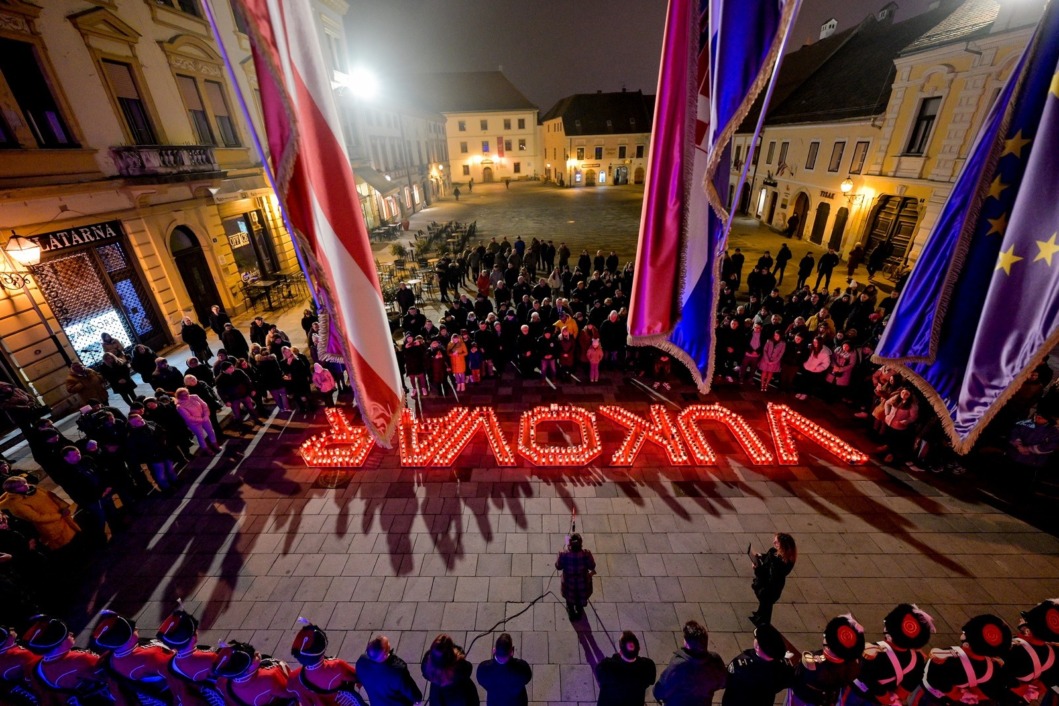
(196,414)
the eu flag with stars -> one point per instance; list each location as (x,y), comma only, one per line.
(981,307)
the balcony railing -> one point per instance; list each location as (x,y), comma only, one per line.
(154,160)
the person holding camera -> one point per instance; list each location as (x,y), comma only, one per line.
(770,575)
(578,567)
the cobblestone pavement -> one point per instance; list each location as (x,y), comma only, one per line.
(254,539)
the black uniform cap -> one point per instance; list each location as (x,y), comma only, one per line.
(844,636)
(988,635)
(1043,620)
(44,634)
(234,659)
(908,626)
(178,628)
(309,644)
(111,632)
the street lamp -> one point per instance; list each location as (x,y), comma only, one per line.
(846,185)
(26,253)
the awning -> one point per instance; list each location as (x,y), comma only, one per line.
(376,180)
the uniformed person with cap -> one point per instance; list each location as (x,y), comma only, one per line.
(758,674)
(891,670)
(16,669)
(1033,662)
(190,669)
(320,680)
(138,669)
(247,678)
(823,674)
(970,673)
(66,674)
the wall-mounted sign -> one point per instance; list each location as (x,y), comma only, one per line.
(239,240)
(438,441)
(82,235)
(827,194)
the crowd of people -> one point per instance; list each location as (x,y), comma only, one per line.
(991,665)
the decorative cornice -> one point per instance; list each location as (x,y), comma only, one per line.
(15,24)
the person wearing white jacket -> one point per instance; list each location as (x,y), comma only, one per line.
(196,414)
(816,367)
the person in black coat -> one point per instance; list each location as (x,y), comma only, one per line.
(166,377)
(118,373)
(195,337)
(624,677)
(259,330)
(143,362)
(446,668)
(805,269)
(758,674)
(770,575)
(217,319)
(385,676)
(234,342)
(782,258)
(505,676)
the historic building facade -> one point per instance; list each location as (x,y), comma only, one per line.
(128,163)
(873,124)
(592,139)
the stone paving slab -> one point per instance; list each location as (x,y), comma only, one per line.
(412,552)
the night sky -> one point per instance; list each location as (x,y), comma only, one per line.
(548,48)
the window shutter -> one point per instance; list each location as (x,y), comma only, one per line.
(120,76)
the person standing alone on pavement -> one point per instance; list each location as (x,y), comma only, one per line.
(578,567)
(624,677)
(770,575)
(504,676)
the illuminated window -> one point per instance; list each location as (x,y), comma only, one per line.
(485,145)
(522,144)
(598,153)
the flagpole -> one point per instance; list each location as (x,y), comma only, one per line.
(259,148)
(760,123)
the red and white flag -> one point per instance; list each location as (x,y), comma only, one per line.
(315,181)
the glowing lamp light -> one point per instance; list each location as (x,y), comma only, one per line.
(550,455)
(23,250)
(659,429)
(783,421)
(752,444)
(847,185)
(361,82)
(343,446)
(454,438)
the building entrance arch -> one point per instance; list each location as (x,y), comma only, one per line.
(638,176)
(487,174)
(801,209)
(194,271)
(838,230)
(590,177)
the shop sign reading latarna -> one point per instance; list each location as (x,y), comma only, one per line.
(81,235)
(438,441)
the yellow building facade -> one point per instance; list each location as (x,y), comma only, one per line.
(127,161)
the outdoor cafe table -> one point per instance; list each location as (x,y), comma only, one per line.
(265,285)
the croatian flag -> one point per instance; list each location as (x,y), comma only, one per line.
(315,180)
(717,55)
(980,310)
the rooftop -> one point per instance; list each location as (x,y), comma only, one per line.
(464,92)
(604,113)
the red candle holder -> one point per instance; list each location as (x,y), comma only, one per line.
(659,429)
(343,446)
(550,455)
(688,423)
(784,421)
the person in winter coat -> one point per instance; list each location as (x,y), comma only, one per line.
(815,369)
(86,383)
(446,668)
(234,341)
(694,674)
(118,373)
(457,351)
(166,377)
(195,337)
(854,259)
(298,376)
(770,575)
(900,413)
(196,414)
(147,444)
(731,344)
(624,677)
(567,354)
(843,361)
(50,515)
(437,366)
(236,390)
(755,346)
(805,269)
(272,380)
(143,362)
(217,318)
(578,567)
(771,358)
(504,676)
(112,345)
(325,384)
(475,362)
(594,356)
(206,393)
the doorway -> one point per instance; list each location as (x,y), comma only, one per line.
(621,176)
(194,271)
(823,211)
(638,176)
(487,175)
(801,209)
(772,206)
(590,177)
(838,230)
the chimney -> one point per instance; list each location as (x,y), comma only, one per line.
(828,28)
